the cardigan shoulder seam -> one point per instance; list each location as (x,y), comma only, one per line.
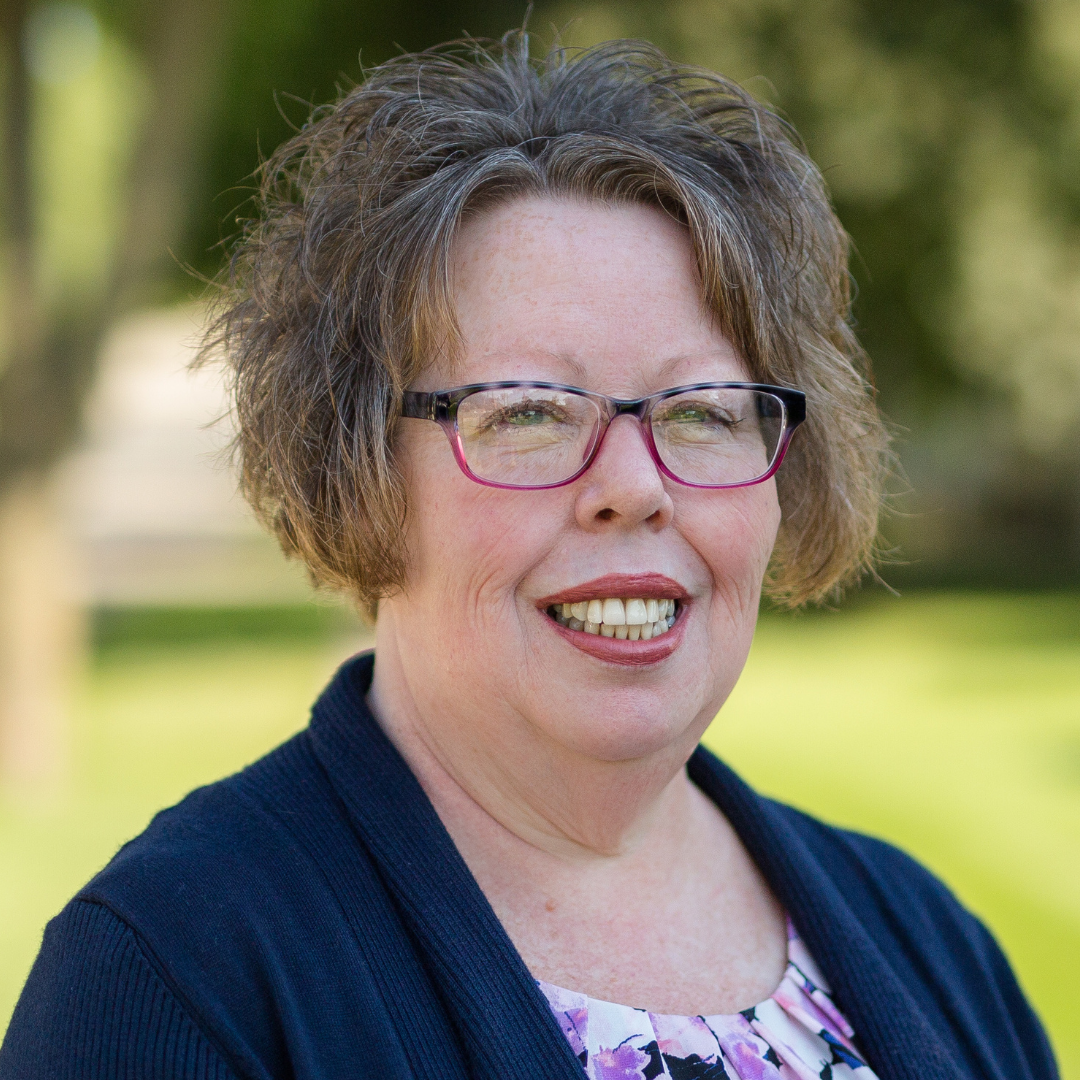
(243,807)
(160,971)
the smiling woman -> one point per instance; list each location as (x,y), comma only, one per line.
(617,288)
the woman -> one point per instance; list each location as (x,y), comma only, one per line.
(518,351)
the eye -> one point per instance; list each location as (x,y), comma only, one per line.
(697,412)
(526,414)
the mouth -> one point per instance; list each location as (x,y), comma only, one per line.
(628,619)
(624,618)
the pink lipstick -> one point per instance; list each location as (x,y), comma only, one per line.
(647,586)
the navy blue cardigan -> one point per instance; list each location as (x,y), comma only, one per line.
(311,918)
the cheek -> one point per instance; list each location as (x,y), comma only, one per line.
(469,545)
(734,532)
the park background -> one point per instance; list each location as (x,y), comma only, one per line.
(151,639)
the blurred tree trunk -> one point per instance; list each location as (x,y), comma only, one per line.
(33,664)
(41,635)
(49,361)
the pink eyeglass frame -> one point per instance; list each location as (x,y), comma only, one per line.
(441,406)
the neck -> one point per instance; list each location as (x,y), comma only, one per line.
(500,785)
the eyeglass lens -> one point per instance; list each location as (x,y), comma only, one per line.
(535,437)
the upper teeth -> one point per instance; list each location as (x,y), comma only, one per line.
(634,619)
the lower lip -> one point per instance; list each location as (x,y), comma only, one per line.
(628,653)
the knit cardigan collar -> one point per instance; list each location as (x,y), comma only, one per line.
(495,1005)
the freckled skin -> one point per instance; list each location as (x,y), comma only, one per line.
(560,776)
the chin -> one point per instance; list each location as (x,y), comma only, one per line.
(625,734)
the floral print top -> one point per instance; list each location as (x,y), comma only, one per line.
(796,1034)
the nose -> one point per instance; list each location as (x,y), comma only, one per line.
(623,486)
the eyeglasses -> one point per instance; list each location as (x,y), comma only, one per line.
(542,435)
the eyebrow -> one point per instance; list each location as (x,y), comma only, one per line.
(672,362)
(574,368)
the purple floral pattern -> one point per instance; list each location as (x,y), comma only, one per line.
(796,1034)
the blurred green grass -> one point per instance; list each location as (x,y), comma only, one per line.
(947,723)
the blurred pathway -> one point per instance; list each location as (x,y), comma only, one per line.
(150,498)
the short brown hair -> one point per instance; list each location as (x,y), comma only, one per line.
(339,290)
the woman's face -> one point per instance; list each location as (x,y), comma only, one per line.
(606,298)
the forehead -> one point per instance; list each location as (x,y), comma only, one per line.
(603,295)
